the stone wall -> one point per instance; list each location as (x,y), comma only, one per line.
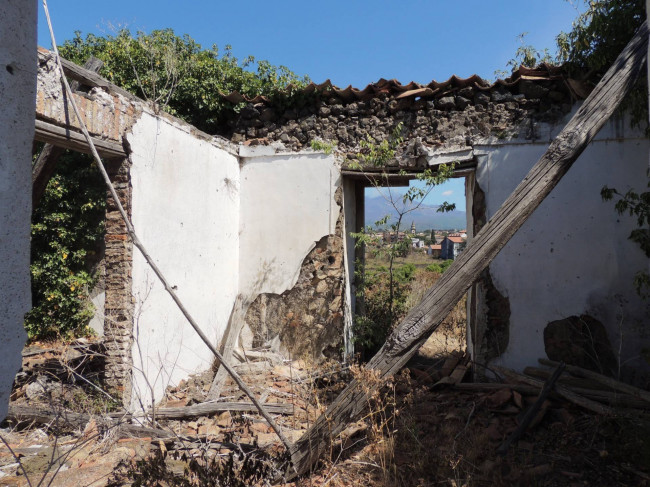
(457,119)
(308,318)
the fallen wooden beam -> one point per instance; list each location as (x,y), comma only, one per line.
(64,419)
(563,391)
(565,379)
(233,329)
(603,379)
(68,139)
(443,296)
(207,408)
(493,386)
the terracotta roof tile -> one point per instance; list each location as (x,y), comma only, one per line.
(543,72)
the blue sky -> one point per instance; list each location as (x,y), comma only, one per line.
(350,42)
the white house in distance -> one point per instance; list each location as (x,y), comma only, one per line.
(451,247)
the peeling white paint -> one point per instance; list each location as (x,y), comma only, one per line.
(186,212)
(573,255)
(287,205)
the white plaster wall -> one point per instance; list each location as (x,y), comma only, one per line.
(287,205)
(17,99)
(186,212)
(572,256)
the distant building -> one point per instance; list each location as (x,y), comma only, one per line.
(434,251)
(451,247)
(412,228)
(417,243)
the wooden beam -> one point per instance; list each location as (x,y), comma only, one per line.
(47,160)
(233,329)
(66,138)
(87,77)
(411,334)
(604,380)
(207,408)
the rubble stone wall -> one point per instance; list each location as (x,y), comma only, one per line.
(308,318)
(456,120)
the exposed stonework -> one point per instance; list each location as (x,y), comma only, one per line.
(119,306)
(456,120)
(106,115)
(308,318)
(582,341)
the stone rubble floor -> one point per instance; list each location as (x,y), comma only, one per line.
(416,434)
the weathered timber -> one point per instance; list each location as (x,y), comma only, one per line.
(565,379)
(86,77)
(563,391)
(493,386)
(64,419)
(207,408)
(443,296)
(233,329)
(603,379)
(68,139)
(47,160)
(532,411)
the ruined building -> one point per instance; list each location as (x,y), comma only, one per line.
(253,228)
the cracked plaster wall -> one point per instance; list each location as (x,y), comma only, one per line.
(185,206)
(572,256)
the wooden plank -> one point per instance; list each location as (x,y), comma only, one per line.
(563,391)
(449,289)
(233,329)
(207,408)
(64,419)
(565,379)
(47,160)
(66,138)
(603,379)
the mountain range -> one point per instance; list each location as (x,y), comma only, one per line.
(425,217)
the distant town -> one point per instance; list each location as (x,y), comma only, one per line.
(439,244)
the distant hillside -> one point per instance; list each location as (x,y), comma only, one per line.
(424,217)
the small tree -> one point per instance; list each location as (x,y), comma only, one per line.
(377,156)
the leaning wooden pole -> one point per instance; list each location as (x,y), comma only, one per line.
(443,296)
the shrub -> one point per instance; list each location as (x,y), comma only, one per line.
(440,267)
(67,231)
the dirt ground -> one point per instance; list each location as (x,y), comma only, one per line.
(429,426)
(420,430)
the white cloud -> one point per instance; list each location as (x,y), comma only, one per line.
(447,193)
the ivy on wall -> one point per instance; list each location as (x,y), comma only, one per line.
(67,237)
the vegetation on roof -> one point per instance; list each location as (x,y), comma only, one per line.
(177,73)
